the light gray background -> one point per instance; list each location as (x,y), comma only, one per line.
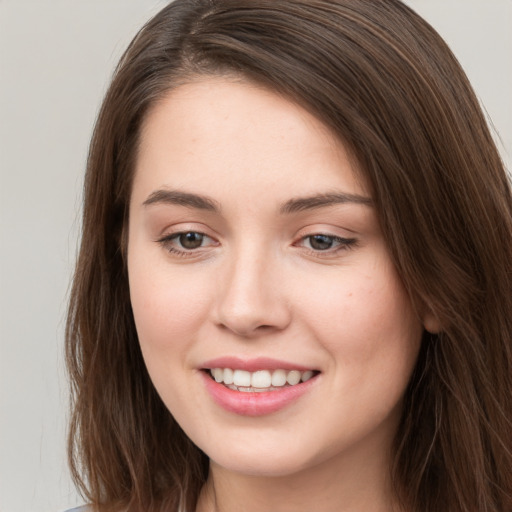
(56,57)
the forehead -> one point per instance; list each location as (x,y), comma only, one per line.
(218,131)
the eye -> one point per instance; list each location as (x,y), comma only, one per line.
(326,243)
(185,242)
(190,240)
(320,242)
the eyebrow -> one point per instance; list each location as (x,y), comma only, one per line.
(299,204)
(323,200)
(183,199)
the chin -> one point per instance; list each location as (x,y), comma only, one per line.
(264,467)
(270,458)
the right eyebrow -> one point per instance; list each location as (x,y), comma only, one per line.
(178,197)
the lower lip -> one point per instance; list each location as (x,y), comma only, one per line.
(255,403)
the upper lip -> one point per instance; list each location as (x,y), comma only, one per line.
(252,365)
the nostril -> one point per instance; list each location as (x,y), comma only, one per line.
(248,331)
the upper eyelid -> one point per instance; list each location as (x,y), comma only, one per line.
(186,227)
(324,230)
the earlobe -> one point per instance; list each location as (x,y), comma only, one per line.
(431,323)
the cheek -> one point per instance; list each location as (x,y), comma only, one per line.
(365,320)
(169,310)
(168,306)
(369,330)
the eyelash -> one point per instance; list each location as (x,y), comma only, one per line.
(342,244)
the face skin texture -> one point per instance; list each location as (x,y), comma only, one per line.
(257,284)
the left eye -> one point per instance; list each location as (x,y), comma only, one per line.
(321,242)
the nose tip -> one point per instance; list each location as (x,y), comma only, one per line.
(251,304)
(253,316)
(247,329)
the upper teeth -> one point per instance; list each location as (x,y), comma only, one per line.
(260,378)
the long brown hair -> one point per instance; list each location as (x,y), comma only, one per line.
(387,84)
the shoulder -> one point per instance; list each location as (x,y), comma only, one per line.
(83,508)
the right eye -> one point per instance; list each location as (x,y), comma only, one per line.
(185,242)
(190,240)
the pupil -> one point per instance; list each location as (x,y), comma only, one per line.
(191,240)
(321,242)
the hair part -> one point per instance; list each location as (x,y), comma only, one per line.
(384,81)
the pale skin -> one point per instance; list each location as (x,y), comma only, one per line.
(287,261)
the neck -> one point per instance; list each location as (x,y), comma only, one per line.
(355,482)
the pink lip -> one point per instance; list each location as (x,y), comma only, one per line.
(252,365)
(254,404)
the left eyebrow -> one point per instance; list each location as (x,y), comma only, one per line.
(322,200)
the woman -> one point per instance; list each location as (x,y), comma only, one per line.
(293,289)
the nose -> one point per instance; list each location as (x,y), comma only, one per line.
(251,298)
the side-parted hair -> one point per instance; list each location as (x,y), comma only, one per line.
(385,82)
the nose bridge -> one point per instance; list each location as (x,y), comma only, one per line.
(250,299)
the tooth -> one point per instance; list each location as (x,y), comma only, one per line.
(306,376)
(228,376)
(293,377)
(241,378)
(259,390)
(261,379)
(278,378)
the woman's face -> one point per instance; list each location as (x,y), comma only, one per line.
(255,254)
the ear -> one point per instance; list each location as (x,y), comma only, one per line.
(431,323)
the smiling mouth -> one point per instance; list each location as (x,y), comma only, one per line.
(261,380)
